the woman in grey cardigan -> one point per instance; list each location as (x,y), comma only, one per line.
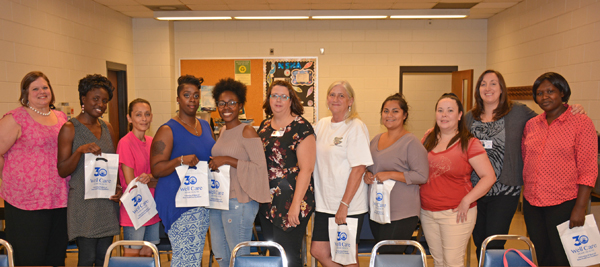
(498,123)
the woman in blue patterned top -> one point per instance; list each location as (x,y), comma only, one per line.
(182,140)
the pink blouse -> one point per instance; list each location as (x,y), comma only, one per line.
(134,154)
(30,177)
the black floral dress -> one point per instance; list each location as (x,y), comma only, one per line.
(282,165)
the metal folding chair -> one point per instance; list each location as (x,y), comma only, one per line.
(258,261)
(398,260)
(494,257)
(6,260)
(153,261)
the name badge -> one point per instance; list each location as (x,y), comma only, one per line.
(487,144)
(277,133)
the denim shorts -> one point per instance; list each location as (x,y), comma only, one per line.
(145,233)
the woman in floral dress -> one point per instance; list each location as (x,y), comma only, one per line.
(289,143)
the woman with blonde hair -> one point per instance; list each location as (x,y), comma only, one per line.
(343,153)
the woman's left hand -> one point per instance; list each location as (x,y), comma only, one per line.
(577,217)
(341,214)
(217,161)
(382,176)
(578,109)
(144,178)
(292,215)
(118,194)
(461,211)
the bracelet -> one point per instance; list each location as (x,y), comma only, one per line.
(181,161)
(344,203)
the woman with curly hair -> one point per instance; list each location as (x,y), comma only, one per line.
(240,147)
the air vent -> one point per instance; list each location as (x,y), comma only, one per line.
(169,8)
(454,5)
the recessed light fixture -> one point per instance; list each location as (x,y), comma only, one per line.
(428,17)
(193,18)
(350,17)
(313,14)
(270,17)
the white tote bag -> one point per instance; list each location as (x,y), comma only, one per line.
(100,175)
(193,191)
(219,188)
(379,201)
(342,241)
(139,203)
(581,244)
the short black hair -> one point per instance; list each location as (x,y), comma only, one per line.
(228,84)
(94,81)
(555,79)
(188,79)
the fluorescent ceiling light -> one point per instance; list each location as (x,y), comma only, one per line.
(351,17)
(428,16)
(270,17)
(193,18)
(314,14)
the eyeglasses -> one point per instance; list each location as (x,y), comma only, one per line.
(222,103)
(280,97)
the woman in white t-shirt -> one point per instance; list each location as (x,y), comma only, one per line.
(342,156)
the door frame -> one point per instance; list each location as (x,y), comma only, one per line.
(121,70)
(424,69)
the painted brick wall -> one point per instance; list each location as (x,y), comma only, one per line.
(65,39)
(366,53)
(563,36)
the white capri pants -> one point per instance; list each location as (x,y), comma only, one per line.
(446,238)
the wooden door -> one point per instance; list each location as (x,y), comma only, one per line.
(113,105)
(462,86)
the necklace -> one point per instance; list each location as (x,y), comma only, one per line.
(195,124)
(39,112)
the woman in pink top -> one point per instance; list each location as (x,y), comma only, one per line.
(134,162)
(448,198)
(35,196)
(559,168)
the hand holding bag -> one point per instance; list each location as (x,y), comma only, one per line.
(379,201)
(100,174)
(139,203)
(581,244)
(342,241)
(219,188)
(193,190)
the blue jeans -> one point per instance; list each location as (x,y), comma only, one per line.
(230,227)
(145,233)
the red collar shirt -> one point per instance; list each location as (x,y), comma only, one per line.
(558,158)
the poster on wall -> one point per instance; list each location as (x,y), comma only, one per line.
(301,73)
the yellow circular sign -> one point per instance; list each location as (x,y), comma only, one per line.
(242,69)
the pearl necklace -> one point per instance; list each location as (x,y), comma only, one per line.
(39,112)
(195,124)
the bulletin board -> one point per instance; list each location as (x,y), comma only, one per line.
(258,74)
(212,70)
(302,74)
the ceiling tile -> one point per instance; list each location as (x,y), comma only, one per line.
(159,2)
(138,8)
(405,5)
(305,6)
(503,5)
(371,6)
(250,7)
(117,2)
(328,6)
(209,7)
(139,14)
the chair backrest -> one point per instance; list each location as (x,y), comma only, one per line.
(7,260)
(494,257)
(154,261)
(262,261)
(402,260)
